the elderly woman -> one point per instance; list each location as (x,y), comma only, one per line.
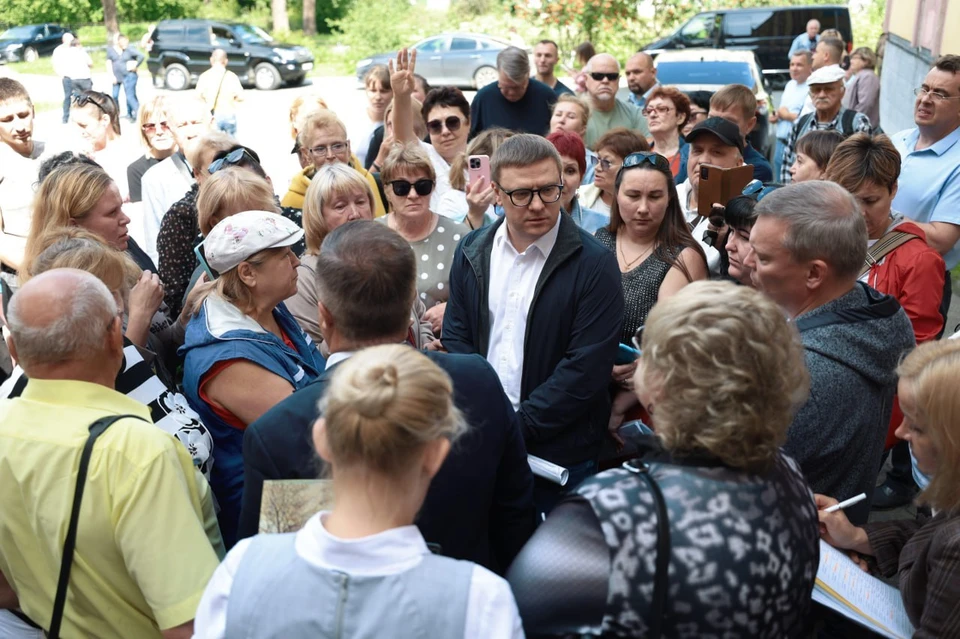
(922,553)
(473,204)
(612,147)
(243,337)
(337,195)
(715,461)
(409,179)
(667,112)
(388,423)
(156,138)
(573,155)
(571,113)
(863,90)
(813,153)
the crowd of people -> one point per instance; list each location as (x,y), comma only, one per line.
(449,293)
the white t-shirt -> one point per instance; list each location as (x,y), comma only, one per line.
(361,133)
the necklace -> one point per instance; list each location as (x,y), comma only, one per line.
(628,264)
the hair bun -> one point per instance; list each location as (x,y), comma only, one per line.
(376,391)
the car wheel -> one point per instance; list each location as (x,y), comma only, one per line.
(485,76)
(176,77)
(30,54)
(266,77)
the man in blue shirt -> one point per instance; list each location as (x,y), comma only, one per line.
(641,78)
(806,41)
(929,187)
(791,102)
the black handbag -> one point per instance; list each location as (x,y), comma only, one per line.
(97,428)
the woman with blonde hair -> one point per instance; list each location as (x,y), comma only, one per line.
(242,337)
(472,204)
(923,552)
(157,140)
(722,373)
(388,424)
(572,113)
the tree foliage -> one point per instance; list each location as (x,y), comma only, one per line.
(375,26)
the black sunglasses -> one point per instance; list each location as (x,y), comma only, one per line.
(609,76)
(453,125)
(401,188)
(233,158)
(83,99)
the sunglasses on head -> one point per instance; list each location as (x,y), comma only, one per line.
(639,157)
(233,158)
(756,190)
(83,99)
(608,76)
(452,122)
(402,188)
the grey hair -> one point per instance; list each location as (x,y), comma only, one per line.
(806,54)
(523,150)
(76,334)
(588,67)
(515,63)
(823,222)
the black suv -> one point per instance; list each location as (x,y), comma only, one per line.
(180,51)
(29,42)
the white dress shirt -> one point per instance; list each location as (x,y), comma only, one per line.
(491,608)
(690,215)
(513,280)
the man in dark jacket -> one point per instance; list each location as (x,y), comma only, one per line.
(807,247)
(541,300)
(480,505)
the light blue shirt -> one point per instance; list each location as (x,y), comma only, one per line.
(802,42)
(793,97)
(592,161)
(929,186)
(641,101)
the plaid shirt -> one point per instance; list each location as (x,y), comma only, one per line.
(861,124)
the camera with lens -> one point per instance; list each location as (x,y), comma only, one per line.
(474,163)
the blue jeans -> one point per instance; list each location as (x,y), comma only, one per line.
(228,124)
(778,159)
(70,87)
(130,91)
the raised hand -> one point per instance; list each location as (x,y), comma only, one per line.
(401,72)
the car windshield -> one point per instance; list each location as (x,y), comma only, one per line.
(705,72)
(251,35)
(17,33)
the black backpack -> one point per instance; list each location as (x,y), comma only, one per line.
(846,122)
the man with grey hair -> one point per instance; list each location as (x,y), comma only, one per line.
(516,102)
(608,112)
(806,251)
(141,495)
(540,298)
(806,41)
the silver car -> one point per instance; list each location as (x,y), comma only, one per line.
(465,60)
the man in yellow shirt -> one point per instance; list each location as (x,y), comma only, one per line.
(221,90)
(142,558)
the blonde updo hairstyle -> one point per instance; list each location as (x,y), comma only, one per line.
(728,373)
(385,404)
(932,370)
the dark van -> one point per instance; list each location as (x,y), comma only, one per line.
(179,51)
(767,31)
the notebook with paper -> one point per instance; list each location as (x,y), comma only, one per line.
(842,586)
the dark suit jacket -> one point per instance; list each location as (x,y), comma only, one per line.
(479,506)
(926,555)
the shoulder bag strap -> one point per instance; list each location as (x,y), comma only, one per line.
(883,247)
(846,122)
(661,580)
(97,428)
(216,98)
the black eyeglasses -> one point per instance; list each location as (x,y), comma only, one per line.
(401,188)
(523,197)
(756,190)
(452,122)
(605,76)
(233,158)
(83,99)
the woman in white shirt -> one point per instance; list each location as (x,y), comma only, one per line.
(363,568)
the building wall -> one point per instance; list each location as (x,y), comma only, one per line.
(951,29)
(901,17)
(904,68)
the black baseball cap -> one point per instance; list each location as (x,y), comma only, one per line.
(727,131)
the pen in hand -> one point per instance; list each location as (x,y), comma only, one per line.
(847,502)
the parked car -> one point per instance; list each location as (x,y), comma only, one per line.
(179,51)
(464,60)
(711,69)
(29,42)
(766,31)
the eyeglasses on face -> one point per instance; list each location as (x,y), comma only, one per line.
(696,116)
(321,151)
(452,122)
(150,127)
(659,110)
(606,164)
(232,158)
(935,94)
(401,188)
(523,197)
(599,77)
